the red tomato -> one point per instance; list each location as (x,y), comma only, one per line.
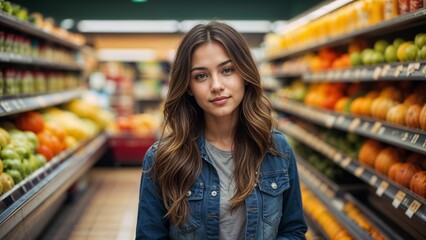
(45,151)
(30,121)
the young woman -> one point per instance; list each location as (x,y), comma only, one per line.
(220,170)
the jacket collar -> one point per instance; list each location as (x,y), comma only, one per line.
(201,142)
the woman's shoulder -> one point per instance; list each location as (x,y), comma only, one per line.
(281,143)
(150,155)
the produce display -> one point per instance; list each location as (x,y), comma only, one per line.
(30,139)
(372,87)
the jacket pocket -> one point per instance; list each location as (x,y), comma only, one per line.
(194,197)
(272,185)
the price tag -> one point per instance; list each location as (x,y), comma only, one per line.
(15,104)
(404,136)
(364,126)
(376,127)
(345,163)
(385,70)
(329,121)
(357,73)
(6,106)
(338,75)
(381,130)
(382,188)
(399,197)
(398,70)
(364,73)
(414,206)
(340,120)
(373,180)
(337,157)
(415,138)
(354,124)
(346,75)
(329,75)
(377,72)
(424,71)
(41,101)
(359,171)
(410,69)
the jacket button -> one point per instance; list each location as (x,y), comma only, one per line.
(214,193)
(188,193)
(274,185)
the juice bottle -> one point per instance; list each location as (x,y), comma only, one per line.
(390,9)
(415,5)
(404,6)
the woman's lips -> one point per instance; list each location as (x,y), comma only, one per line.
(219,101)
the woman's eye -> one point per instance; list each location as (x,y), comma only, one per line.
(200,76)
(227,71)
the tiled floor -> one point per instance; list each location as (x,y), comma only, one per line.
(106,210)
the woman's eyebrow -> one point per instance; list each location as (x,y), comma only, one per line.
(219,65)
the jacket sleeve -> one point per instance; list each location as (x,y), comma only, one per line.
(292,225)
(151,223)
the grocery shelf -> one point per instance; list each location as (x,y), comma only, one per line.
(9,106)
(284,75)
(401,198)
(57,175)
(332,190)
(405,21)
(13,58)
(401,136)
(28,28)
(332,204)
(395,71)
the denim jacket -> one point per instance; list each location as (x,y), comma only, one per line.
(273,209)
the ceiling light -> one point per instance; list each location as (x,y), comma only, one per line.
(126,55)
(243,26)
(139,1)
(128,26)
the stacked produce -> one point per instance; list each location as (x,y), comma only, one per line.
(354,16)
(404,167)
(143,125)
(316,209)
(30,139)
(354,213)
(18,156)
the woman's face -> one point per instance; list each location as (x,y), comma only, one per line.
(215,84)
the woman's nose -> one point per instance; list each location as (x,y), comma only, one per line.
(216,83)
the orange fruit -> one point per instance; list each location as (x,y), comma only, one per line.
(401,50)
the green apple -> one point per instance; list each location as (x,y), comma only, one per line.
(14,164)
(356,59)
(410,53)
(377,57)
(420,40)
(28,169)
(390,54)
(423,52)
(380,45)
(32,137)
(397,42)
(15,174)
(366,55)
(8,153)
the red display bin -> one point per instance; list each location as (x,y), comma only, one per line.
(130,148)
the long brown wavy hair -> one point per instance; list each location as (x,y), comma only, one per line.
(178,162)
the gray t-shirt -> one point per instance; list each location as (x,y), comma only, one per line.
(232,225)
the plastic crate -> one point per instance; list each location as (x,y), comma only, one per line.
(130,148)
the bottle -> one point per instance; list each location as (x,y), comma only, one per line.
(390,9)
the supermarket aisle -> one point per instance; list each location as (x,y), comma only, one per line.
(107,209)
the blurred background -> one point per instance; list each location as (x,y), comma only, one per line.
(82,85)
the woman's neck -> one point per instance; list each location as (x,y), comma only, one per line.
(220,134)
